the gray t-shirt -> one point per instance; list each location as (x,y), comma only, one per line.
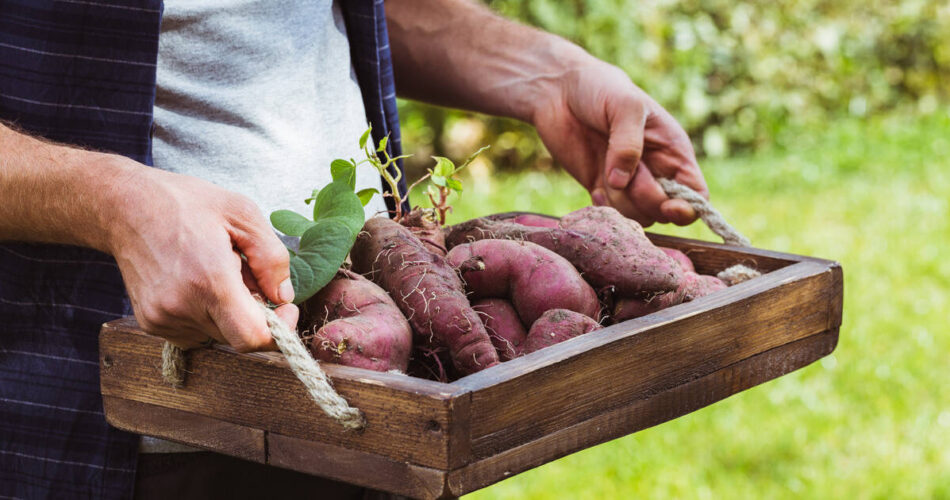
(258,97)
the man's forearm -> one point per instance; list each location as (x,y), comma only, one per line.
(53,193)
(458,53)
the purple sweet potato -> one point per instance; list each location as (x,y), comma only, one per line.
(427,290)
(504,326)
(535,220)
(681,258)
(692,287)
(423,225)
(533,278)
(611,251)
(557,325)
(355,323)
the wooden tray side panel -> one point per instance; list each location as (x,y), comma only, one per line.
(641,414)
(531,397)
(710,258)
(196,430)
(256,445)
(403,425)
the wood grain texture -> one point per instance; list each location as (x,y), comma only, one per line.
(643,413)
(427,439)
(356,467)
(524,399)
(408,419)
(187,428)
(711,258)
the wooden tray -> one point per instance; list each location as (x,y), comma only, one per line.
(427,439)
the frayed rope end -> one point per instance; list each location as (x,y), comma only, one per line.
(737,274)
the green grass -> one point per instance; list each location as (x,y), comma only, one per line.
(870,421)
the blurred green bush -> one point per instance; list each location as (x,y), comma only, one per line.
(735,73)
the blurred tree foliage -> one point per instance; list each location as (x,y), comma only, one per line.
(735,73)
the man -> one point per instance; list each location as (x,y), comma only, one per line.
(84,73)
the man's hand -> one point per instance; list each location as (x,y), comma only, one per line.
(615,140)
(605,131)
(179,244)
(178,240)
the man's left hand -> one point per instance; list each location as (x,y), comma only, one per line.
(615,139)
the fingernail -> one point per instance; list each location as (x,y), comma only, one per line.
(598,197)
(286,291)
(618,178)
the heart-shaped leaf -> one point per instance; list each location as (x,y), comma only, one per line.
(337,200)
(344,171)
(289,222)
(443,167)
(366,194)
(323,249)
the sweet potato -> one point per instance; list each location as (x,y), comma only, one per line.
(355,323)
(423,225)
(692,287)
(611,251)
(681,258)
(426,289)
(504,326)
(557,325)
(533,278)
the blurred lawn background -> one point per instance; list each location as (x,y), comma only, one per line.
(824,129)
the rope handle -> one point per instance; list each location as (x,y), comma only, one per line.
(717,224)
(301,363)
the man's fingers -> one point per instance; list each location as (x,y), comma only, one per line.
(626,122)
(678,212)
(249,280)
(620,201)
(647,194)
(267,258)
(289,314)
(240,319)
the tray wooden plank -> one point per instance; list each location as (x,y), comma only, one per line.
(408,419)
(183,427)
(428,440)
(710,258)
(527,398)
(640,414)
(256,445)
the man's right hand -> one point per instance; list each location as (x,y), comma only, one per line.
(178,240)
(179,243)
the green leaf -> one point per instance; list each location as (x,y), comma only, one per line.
(323,249)
(366,194)
(472,157)
(433,192)
(338,201)
(454,185)
(438,180)
(365,137)
(443,167)
(382,144)
(313,196)
(338,218)
(289,222)
(342,170)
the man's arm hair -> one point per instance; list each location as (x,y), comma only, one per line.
(459,53)
(175,238)
(55,193)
